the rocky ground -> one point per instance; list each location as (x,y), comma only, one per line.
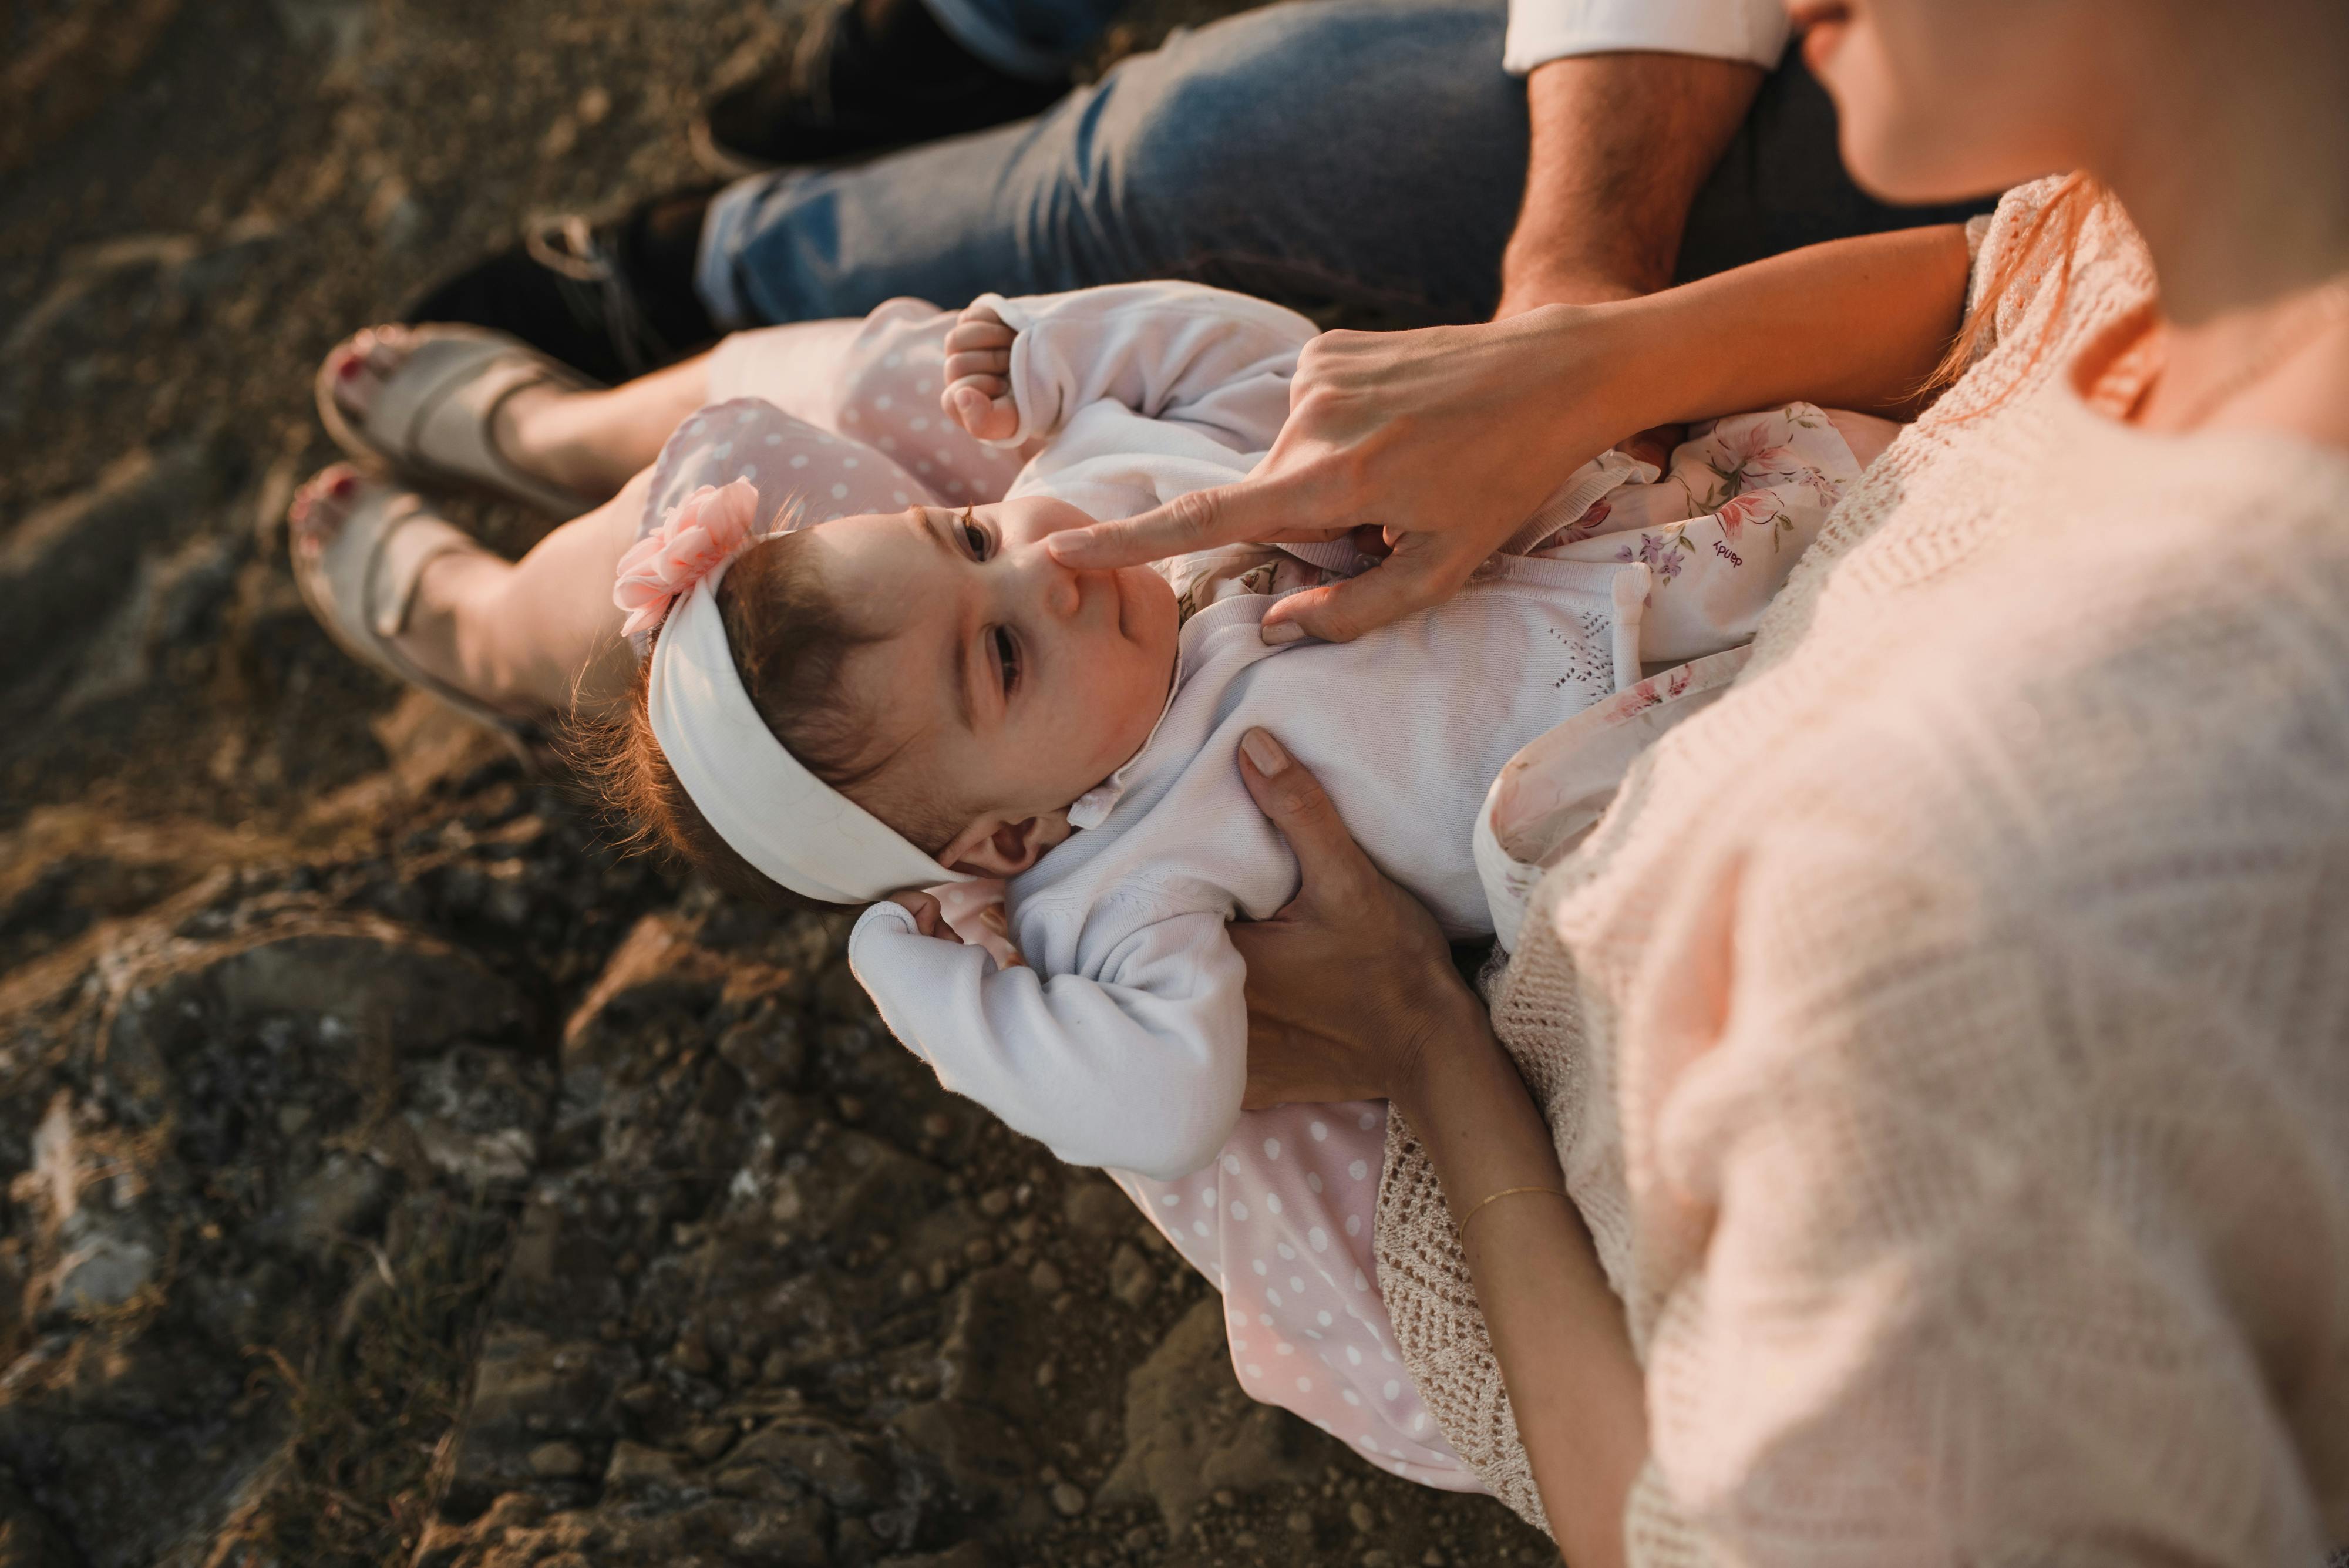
(394,1173)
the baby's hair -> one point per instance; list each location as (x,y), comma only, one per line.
(791,639)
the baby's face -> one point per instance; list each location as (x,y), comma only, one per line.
(1006,680)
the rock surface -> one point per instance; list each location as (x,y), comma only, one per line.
(390,1173)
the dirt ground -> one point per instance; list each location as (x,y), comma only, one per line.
(394,1173)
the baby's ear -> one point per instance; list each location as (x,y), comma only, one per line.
(991,847)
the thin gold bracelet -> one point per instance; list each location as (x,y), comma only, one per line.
(1460,1230)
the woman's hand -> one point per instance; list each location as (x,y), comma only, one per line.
(1444,440)
(1351,995)
(1350,987)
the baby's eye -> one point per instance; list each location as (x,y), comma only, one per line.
(973,536)
(1007,655)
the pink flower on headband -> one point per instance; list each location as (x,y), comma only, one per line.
(701,533)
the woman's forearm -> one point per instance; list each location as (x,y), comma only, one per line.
(1558,1329)
(1857,324)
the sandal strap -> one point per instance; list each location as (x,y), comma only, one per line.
(448,430)
(432,420)
(362,585)
(407,545)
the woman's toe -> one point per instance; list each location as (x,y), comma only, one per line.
(364,362)
(319,506)
(355,381)
(388,348)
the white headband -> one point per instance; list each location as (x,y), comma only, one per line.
(795,829)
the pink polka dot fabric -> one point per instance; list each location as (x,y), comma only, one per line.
(874,382)
(831,419)
(842,417)
(1281,1224)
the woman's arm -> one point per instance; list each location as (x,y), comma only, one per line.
(1854,324)
(1404,1028)
(1449,437)
(1557,1330)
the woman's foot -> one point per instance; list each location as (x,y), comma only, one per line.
(440,405)
(389,579)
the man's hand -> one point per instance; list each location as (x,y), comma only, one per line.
(978,393)
(1444,440)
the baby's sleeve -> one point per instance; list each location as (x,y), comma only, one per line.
(1177,352)
(1140,1068)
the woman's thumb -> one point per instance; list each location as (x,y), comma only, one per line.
(1342,611)
(1293,798)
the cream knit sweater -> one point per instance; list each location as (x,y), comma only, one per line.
(1946,1033)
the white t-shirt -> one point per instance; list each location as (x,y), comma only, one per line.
(1544,30)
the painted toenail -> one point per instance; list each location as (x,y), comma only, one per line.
(342,485)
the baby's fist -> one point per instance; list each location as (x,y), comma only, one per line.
(978,375)
(929,915)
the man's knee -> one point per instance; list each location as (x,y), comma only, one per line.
(1305,86)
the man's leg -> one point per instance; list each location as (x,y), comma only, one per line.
(867,74)
(1361,156)
(1035,40)
(1362,153)
(1365,155)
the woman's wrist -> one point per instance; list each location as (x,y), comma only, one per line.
(1608,368)
(1448,1047)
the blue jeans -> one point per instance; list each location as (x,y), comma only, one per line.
(1033,39)
(1361,156)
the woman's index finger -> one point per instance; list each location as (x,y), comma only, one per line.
(1248,512)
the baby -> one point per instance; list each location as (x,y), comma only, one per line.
(915,696)
(904,700)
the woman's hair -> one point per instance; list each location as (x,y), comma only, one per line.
(2051,239)
(791,639)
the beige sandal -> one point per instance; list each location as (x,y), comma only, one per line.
(430,423)
(361,582)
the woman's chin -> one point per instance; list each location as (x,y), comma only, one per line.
(1890,171)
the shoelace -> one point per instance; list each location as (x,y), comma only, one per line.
(596,291)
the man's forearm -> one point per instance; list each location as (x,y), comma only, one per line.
(1621,144)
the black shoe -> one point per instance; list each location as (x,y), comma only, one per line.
(613,299)
(867,76)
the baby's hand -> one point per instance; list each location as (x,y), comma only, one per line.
(978,375)
(929,917)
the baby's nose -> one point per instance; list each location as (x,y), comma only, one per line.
(1059,588)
